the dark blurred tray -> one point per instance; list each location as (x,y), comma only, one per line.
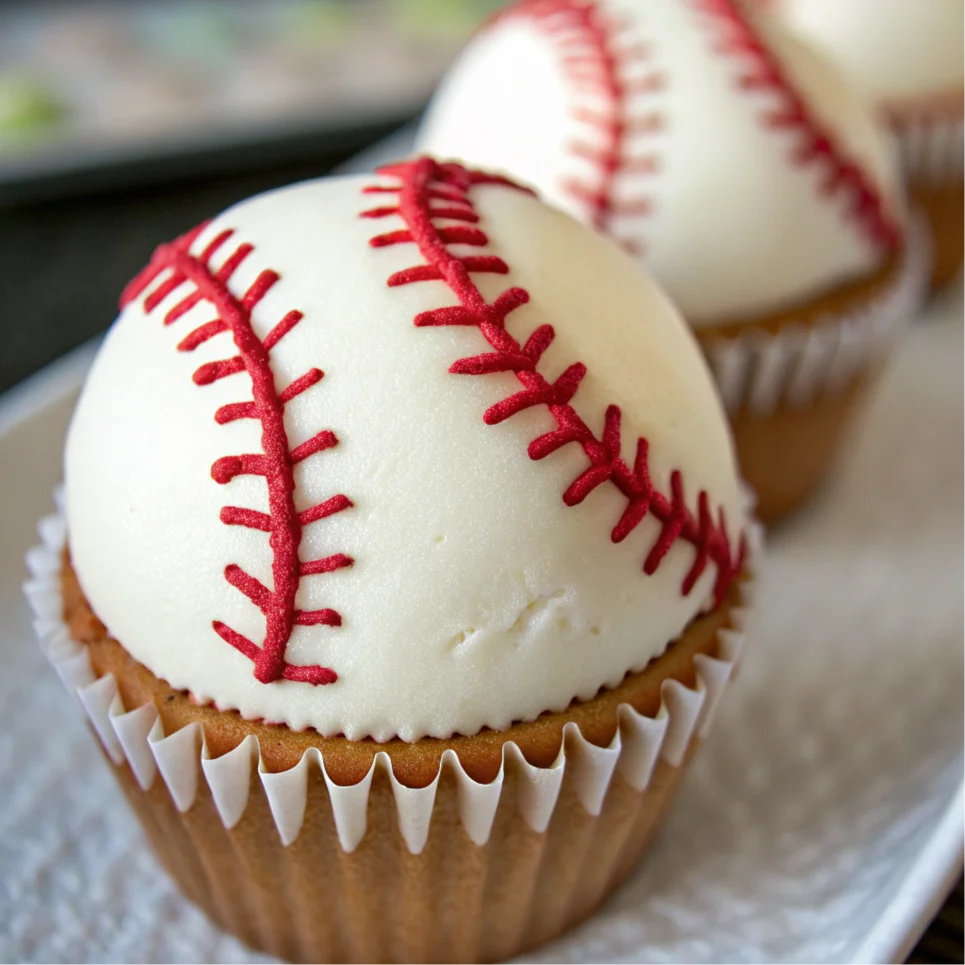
(53,177)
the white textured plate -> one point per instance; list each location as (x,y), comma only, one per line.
(821,823)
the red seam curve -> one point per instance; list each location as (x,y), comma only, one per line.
(592,62)
(275,463)
(425,181)
(816,143)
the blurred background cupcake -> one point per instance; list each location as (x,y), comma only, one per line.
(908,59)
(738,166)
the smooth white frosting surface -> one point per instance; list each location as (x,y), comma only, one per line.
(735,229)
(477,597)
(894,49)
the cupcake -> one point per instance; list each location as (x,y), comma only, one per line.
(907,58)
(402,567)
(737,167)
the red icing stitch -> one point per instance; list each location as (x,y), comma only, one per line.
(275,463)
(423,182)
(815,143)
(596,63)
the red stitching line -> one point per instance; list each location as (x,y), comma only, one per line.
(275,463)
(815,144)
(595,64)
(422,184)
(600,69)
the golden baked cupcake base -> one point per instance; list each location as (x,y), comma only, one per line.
(793,381)
(790,451)
(942,205)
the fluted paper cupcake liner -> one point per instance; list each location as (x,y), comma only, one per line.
(758,371)
(930,146)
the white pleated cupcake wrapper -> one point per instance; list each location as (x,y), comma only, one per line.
(757,371)
(931,149)
(137,737)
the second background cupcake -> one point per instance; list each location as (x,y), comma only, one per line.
(748,177)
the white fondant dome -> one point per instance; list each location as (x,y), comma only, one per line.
(894,49)
(439,574)
(725,154)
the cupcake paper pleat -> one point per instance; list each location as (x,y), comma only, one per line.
(930,147)
(758,371)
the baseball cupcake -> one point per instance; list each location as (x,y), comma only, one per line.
(908,57)
(747,177)
(404,564)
